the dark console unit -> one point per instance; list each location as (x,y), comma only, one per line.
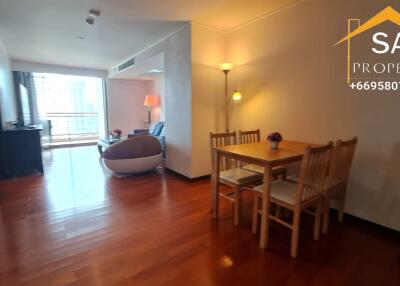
(20,152)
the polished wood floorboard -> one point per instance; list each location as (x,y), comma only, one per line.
(77,225)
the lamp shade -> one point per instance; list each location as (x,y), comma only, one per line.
(236,96)
(226,66)
(149,101)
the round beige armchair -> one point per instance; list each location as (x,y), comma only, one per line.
(137,154)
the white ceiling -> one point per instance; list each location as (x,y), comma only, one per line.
(46,31)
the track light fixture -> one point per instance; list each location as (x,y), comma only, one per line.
(93,14)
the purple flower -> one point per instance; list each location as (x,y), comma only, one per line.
(275,137)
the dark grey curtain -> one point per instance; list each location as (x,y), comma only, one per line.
(26,79)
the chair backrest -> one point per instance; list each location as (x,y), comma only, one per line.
(313,173)
(220,140)
(342,159)
(156,128)
(250,136)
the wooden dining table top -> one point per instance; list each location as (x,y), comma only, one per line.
(261,152)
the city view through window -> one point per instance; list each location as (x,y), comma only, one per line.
(70,108)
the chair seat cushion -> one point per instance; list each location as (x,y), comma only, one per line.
(334,185)
(260,170)
(239,176)
(283,191)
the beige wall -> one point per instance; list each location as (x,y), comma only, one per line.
(125,100)
(293,81)
(208,51)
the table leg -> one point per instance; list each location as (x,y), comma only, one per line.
(264,232)
(215,185)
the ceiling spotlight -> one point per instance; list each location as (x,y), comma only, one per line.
(90,20)
(93,14)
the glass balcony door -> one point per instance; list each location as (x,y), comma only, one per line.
(70,108)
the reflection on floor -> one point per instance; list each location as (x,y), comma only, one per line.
(74,178)
(78,225)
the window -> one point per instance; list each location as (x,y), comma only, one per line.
(71,105)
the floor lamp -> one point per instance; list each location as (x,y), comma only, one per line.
(226,68)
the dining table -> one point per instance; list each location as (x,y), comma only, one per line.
(259,153)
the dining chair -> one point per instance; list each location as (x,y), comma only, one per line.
(308,192)
(339,172)
(231,174)
(253,136)
(249,136)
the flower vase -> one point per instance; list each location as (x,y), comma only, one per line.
(275,144)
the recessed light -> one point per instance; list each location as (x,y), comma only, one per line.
(156,71)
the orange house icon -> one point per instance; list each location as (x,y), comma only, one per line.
(387,14)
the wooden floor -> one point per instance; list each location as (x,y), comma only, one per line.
(77,225)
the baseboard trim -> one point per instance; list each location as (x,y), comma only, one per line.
(200,178)
(369,224)
(187,178)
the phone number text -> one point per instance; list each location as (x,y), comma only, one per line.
(376,85)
